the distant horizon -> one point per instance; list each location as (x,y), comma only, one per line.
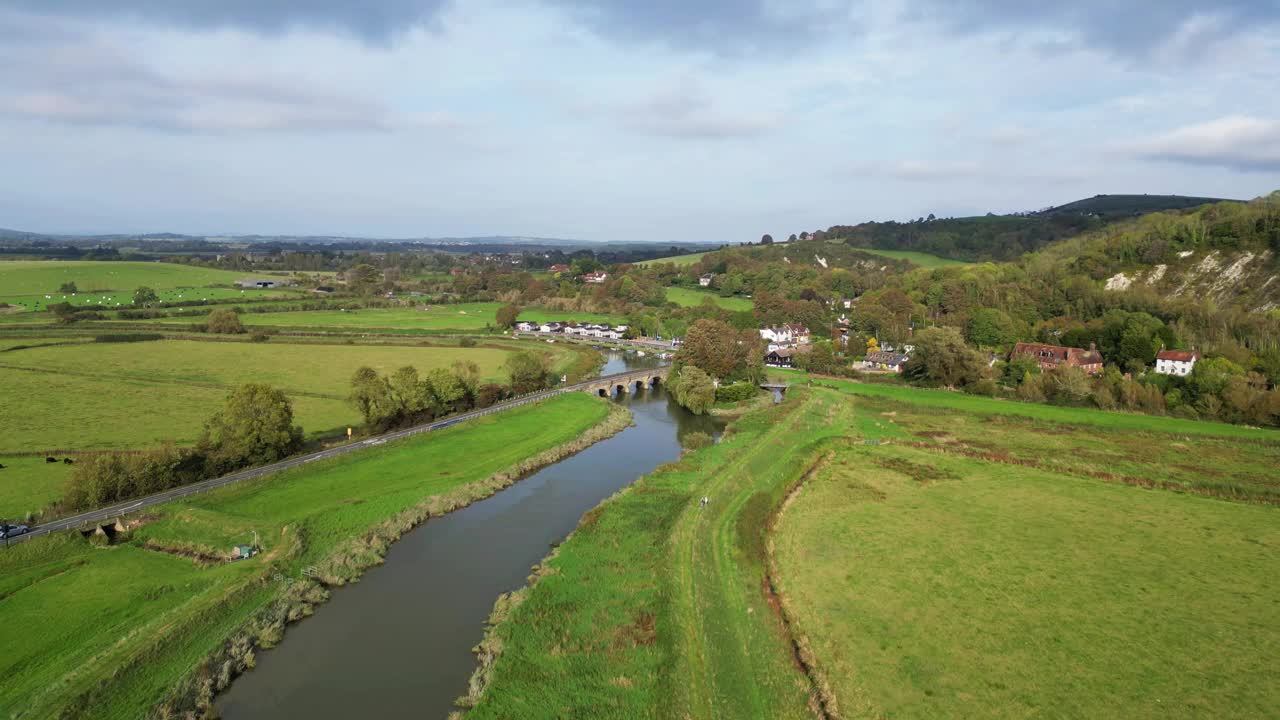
(429,239)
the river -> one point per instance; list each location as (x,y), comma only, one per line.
(398,643)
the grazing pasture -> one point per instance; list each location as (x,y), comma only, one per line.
(116,628)
(1049,413)
(679,260)
(461,317)
(688,297)
(116,396)
(930,586)
(29,484)
(110,285)
(936,561)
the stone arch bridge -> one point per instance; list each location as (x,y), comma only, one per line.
(633,381)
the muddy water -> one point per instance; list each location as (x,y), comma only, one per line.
(398,643)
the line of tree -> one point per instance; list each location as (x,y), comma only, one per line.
(254,427)
(406,397)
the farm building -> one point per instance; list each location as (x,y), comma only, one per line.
(595,278)
(1055,356)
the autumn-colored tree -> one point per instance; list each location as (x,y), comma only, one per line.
(507,315)
(224,321)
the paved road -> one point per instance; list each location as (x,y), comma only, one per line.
(114,511)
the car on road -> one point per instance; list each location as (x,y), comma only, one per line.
(11,531)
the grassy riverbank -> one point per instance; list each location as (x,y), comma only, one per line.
(936,562)
(106,632)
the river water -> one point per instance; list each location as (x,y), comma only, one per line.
(398,643)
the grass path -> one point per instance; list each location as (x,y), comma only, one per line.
(736,668)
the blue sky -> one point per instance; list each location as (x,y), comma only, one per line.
(651,120)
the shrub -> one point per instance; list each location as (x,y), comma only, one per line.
(225,322)
(736,392)
(696,440)
(128,337)
(259,337)
(467,342)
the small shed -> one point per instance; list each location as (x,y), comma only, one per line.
(241,552)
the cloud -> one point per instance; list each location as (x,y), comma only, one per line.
(78,79)
(922,170)
(1125,28)
(1239,142)
(684,109)
(377,21)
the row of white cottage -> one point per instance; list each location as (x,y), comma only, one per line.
(603,332)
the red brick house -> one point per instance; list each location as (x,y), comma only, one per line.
(1056,356)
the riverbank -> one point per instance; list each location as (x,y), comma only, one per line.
(864,557)
(653,606)
(112,654)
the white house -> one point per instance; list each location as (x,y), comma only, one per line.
(705,280)
(1176,362)
(526,326)
(595,278)
(789,334)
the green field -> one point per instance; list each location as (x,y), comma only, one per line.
(128,622)
(652,608)
(34,284)
(28,484)
(460,317)
(929,584)
(1050,413)
(963,566)
(924,260)
(688,297)
(115,396)
(680,260)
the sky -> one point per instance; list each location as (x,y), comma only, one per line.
(621,120)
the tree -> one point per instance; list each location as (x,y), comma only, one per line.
(529,372)
(224,321)
(468,373)
(443,391)
(68,287)
(694,390)
(507,315)
(371,394)
(989,327)
(254,427)
(766,239)
(406,394)
(718,349)
(145,296)
(942,358)
(792,238)
(65,312)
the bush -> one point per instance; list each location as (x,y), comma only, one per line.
(490,394)
(467,342)
(696,440)
(259,337)
(736,392)
(225,322)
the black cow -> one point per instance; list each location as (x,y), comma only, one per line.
(68,461)
(51,460)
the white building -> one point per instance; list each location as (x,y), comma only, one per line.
(705,280)
(1176,362)
(788,334)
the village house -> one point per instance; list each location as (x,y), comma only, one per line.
(705,280)
(782,357)
(595,278)
(1051,357)
(885,360)
(527,326)
(558,268)
(789,334)
(551,327)
(1176,362)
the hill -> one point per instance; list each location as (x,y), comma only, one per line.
(1006,237)
(1125,206)
(1227,252)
